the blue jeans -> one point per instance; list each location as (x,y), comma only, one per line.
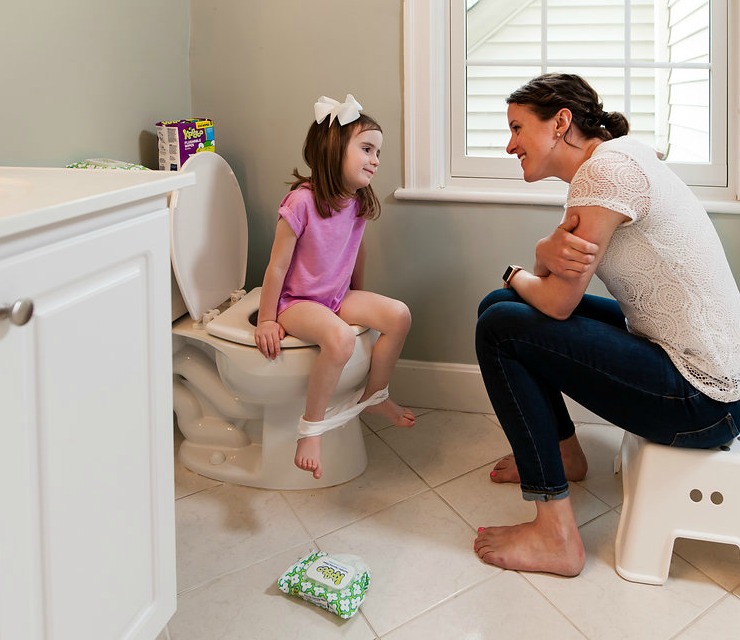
(529,359)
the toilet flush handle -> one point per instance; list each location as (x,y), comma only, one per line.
(19,312)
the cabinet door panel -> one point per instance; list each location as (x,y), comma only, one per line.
(93,395)
(21,588)
(95,376)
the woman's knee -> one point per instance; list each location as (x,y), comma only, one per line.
(496,296)
(504,314)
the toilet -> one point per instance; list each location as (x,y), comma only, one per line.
(237,410)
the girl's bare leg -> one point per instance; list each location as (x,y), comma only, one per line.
(316,323)
(574,463)
(393,320)
(550,543)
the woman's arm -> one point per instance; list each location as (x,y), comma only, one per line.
(556,295)
(269,332)
(563,252)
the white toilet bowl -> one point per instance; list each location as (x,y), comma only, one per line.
(237,410)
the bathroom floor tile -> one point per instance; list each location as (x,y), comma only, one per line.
(504,606)
(247,604)
(719,623)
(419,553)
(721,562)
(386,480)
(485,503)
(603,605)
(482,503)
(229,527)
(447,444)
(412,518)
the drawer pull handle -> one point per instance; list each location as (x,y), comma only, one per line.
(19,312)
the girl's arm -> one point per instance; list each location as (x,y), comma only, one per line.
(555,295)
(269,332)
(357,282)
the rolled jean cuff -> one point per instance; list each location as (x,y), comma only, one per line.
(544,496)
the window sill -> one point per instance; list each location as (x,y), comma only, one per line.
(480,196)
(453,194)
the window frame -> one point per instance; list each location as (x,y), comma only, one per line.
(428,121)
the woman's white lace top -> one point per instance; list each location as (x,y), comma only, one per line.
(665,266)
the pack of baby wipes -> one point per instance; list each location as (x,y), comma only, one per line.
(179,139)
(336,583)
(106,163)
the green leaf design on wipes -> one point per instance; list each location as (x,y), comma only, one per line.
(335,583)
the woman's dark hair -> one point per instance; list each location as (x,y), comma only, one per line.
(323,152)
(547,94)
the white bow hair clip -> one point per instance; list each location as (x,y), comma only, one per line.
(347,111)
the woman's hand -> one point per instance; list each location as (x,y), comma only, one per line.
(267,337)
(563,253)
(566,262)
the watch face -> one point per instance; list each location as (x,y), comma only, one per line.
(507,273)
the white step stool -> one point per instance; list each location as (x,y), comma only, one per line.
(670,493)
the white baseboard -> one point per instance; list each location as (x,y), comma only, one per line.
(456,387)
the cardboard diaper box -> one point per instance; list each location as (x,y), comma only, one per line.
(180,139)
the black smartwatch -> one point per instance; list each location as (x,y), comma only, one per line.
(510,272)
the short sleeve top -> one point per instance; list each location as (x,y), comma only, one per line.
(666,265)
(325,253)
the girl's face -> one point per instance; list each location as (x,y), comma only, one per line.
(361,159)
(533,142)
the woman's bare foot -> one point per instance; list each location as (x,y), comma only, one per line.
(308,455)
(550,543)
(574,463)
(398,415)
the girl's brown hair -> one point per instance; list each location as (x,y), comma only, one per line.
(323,152)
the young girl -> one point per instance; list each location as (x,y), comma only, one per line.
(313,284)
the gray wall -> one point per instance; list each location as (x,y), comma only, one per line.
(85,78)
(90,78)
(257,68)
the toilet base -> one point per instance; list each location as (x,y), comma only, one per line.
(245,436)
(269,465)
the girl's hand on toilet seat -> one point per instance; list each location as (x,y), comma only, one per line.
(267,337)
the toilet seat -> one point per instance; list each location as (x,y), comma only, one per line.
(233,324)
(208,231)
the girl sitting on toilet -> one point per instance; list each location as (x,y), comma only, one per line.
(313,284)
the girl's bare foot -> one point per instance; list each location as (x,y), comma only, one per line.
(308,455)
(574,463)
(550,543)
(398,415)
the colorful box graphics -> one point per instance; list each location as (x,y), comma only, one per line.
(180,139)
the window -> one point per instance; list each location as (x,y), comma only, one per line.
(668,65)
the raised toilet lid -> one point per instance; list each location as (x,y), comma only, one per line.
(208,231)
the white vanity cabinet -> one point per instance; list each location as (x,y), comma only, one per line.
(87,536)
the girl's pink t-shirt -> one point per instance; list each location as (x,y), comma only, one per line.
(325,253)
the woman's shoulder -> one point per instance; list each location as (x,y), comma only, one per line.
(625,148)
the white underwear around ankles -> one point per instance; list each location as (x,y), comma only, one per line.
(341,414)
